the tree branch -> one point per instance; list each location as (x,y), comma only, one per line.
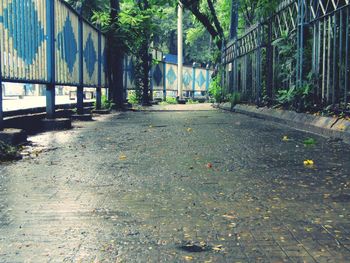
(193,6)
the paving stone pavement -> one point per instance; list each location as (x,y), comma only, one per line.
(158,186)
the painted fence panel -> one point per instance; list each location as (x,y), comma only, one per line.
(196,80)
(103,62)
(201,80)
(25,44)
(90,55)
(171,77)
(187,78)
(66,44)
(158,73)
(23,40)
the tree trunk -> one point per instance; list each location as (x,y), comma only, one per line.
(146,63)
(115,59)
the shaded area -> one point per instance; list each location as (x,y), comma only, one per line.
(143,186)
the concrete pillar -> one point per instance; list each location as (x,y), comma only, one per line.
(179,49)
(98,98)
(207,84)
(193,79)
(80,100)
(1,108)
(50,88)
(164,79)
(50,101)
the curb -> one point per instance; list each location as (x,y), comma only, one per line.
(324,126)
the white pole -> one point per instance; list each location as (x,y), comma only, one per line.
(179,49)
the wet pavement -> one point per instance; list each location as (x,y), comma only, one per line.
(203,186)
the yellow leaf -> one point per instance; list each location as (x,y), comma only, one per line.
(188,258)
(285,138)
(122,157)
(308,162)
(308,229)
(342,127)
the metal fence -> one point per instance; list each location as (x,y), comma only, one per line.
(164,79)
(48,42)
(317,32)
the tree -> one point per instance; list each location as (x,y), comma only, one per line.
(115,56)
(208,19)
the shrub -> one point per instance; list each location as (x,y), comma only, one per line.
(8,153)
(170,100)
(215,89)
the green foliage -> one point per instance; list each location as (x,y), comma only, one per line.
(134,98)
(235,98)
(106,103)
(101,18)
(309,141)
(8,153)
(251,11)
(286,48)
(171,100)
(215,89)
(191,101)
(295,98)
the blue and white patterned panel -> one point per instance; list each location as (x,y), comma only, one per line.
(171,77)
(201,79)
(23,40)
(90,55)
(66,45)
(103,61)
(158,75)
(187,78)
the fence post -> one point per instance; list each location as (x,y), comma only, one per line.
(164,79)
(235,67)
(80,88)
(151,77)
(98,89)
(1,98)
(50,88)
(1,107)
(258,66)
(300,43)
(125,70)
(269,61)
(193,79)
(347,70)
(207,79)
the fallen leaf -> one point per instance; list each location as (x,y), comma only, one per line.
(122,157)
(209,165)
(188,258)
(218,248)
(285,138)
(308,229)
(229,216)
(189,129)
(342,127)
(308,162)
